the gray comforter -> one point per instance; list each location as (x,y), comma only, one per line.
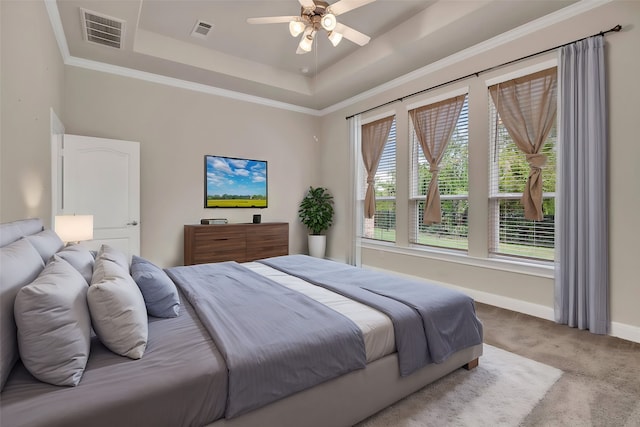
(431,322)
(275,341)
(181,381)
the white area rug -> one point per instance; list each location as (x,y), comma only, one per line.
(501,391)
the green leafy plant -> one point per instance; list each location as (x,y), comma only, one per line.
(316,210)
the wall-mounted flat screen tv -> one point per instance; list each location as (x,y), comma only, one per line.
(234,183)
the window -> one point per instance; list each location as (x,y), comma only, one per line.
(520,167)
(383,224)
(509,232)
(453,182)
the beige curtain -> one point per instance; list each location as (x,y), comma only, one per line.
(374,137)
(434,125)
(527,107)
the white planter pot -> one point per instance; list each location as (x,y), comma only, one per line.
(317,246)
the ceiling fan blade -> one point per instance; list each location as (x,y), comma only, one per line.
(354,35)
(308,4)
(344,6)
(272,19)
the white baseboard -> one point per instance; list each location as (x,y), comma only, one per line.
(624,331)
(513,304)
(616,329)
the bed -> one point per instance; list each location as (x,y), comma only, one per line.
(189,374)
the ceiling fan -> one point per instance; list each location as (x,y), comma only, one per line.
(316,15)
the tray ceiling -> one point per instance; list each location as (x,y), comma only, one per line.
(260,60)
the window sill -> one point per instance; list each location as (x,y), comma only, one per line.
(502,263)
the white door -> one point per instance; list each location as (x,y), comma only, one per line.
(101,177)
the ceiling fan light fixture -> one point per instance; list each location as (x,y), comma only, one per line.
(334,37)
(318,15)
(296,28)
(328,21)
(306,42)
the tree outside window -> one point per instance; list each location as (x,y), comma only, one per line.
(452,231)
(510,233)
(383,224)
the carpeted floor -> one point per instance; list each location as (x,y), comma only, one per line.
(501,391)
(599,383)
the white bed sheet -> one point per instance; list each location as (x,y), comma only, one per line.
(376,327)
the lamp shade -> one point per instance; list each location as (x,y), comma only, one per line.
(296,28)
(306,42)
(74,228)
(328,22)
(334,38)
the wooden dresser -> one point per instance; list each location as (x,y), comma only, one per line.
(234,242)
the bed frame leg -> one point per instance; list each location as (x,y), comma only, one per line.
(473,364)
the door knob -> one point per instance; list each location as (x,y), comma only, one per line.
(133,223)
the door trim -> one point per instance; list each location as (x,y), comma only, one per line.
(57,138)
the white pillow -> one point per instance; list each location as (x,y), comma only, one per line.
(117,310)
(54,325)
(80,258)
(115,255)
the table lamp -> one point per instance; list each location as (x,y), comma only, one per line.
(74,228)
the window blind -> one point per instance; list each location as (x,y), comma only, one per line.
(382,225)
(452,231)
(510,233)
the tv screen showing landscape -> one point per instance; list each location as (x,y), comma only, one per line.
(235,183)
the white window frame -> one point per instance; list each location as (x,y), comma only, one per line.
(362,178)
(415,199)
(493,196)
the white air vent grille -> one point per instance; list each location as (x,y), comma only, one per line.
(102,29)
(201,29)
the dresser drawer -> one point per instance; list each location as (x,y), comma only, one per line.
(268,241)
(234,242)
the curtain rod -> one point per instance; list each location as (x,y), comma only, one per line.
(616,29)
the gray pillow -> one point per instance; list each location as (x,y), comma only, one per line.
(54,325)
(46,243)
(159,292)
(115,255)
(80,258)
(117,310)
(21,264)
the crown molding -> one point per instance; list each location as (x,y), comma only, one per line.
(58,31)
(509,36)
(68,59)
(478,49)
(184,84)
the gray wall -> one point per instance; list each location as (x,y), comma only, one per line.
(526,292)
(32,75)
(176,128)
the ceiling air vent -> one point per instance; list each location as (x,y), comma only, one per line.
(201,29)
(102,29)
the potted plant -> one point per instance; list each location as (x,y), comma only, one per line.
(316,213)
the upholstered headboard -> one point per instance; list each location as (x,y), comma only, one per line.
(21,263)
(12,231)
(45,299)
